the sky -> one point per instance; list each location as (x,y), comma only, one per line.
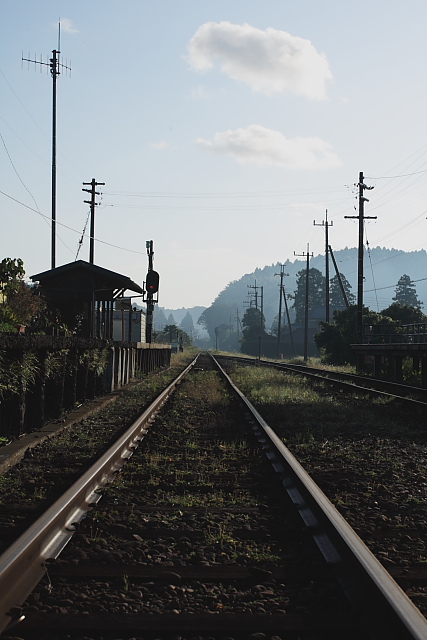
(222,131)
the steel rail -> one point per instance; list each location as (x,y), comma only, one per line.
(368,385)
(23,564)
(386,609)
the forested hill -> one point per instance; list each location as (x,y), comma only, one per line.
(382,270)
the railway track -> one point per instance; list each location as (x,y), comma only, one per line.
(365,384)
(195,537)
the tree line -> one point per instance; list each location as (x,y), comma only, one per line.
(249,333)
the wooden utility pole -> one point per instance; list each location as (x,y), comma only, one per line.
(361,217)
(307,283)
(93,184)
(344,295)
(326,224)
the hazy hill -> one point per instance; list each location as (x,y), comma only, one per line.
(382,270)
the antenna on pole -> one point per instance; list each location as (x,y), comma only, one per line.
(55,67)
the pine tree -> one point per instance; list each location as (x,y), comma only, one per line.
(316,292)
(406,293)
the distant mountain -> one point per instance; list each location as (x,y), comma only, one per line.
(382,269)
(161,317)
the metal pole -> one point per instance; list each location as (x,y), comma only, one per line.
(307,277)
(361,217)
(54,72)
(327,267)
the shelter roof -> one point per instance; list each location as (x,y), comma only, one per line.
(84,276)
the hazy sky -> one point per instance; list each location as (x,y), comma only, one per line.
(222,130)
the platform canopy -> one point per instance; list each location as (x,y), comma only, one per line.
(84,293)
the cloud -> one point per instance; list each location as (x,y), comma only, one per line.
(67,26)
(259,145)
(159,146)
(269,61)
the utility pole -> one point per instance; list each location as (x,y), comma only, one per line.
(261,328)
(326,224)
(93,184)
(307,282)
(254,294)
(344,295)
(361,217)
(279,327)
(55,67)
(289,320)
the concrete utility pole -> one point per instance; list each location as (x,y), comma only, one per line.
(326,224)
(254,294)
(361,217)
(55,67)
(282,274)
(307,282)
(93,184)
(282,293)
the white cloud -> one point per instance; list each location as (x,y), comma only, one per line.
(269,61)
(67,26)
(159,146)
(259,145)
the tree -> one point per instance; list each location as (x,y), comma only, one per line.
(404,314)
(316,292)
(335,339)
(216,315)
(171,319)
(335,294)
(406,293)
(253,328)
(19,303)
(187,324)
(172,333)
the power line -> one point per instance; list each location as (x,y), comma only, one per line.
(71,228)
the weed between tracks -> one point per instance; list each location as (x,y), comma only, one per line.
(369,457)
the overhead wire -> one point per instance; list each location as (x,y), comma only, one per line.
(109,244)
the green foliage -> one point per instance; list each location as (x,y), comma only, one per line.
(334,340)
(406,293)
(96,359)
(216,315)
(316,292)
(172,333)
(19,374)
(404,314)
(253,328)
(19,303)
(11,274)
(335,294)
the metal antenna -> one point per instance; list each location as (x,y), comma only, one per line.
(55,69)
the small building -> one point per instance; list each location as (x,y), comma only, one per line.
(83,295)
(129,325)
